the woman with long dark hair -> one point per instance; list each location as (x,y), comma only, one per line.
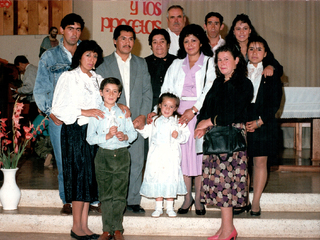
(76,98)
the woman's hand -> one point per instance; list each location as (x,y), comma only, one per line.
(186,116)
(199,132)
(124,109)
(253,125)
(268,71)
(202,128)
(92,113)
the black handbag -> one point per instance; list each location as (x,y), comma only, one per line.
(223,139)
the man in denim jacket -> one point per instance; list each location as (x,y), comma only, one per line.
(52,64)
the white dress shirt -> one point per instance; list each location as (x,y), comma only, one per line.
(124,68)
(255,75)
(174,45)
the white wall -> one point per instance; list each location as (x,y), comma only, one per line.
(28,45)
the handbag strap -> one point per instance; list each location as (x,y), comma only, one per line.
(205,76)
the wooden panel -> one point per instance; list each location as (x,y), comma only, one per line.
(67,7)
(43,9)
(8,20)
(33,17)
(1,21)
(57,12)
(22,12)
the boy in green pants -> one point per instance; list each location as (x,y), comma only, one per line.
(113,134)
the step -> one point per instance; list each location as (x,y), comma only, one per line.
(278,202)
(269,224)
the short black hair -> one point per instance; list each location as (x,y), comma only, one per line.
(197,31)
(52,29)
(259,39)
(111,80)
(162,32)
(20,59)
(213,14)
(86,45)
(125,28)
(175,7)
(70,19)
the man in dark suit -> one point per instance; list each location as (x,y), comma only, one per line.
(137,95)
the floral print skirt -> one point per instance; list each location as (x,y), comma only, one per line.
(224,182)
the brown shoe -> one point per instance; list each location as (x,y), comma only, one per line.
(96,209)
(105,236)
(118,235)
(66,209)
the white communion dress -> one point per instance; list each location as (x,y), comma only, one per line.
(163,176)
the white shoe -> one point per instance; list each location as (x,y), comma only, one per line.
(171,213)
(157,213)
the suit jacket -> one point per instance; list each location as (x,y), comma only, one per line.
(140,84)
(266,105)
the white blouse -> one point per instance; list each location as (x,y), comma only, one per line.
(255,75)
(75,90)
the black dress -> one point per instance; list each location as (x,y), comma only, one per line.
(264,140)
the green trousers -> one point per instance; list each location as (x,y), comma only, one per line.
(112,174)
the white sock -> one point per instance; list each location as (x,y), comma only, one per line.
(158,205)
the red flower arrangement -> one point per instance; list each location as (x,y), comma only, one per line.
(9,159)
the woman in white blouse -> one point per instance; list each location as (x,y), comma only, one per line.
(262,126)
(76,98)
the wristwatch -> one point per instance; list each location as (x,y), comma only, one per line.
(194,112)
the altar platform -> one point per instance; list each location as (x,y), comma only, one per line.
(290,209)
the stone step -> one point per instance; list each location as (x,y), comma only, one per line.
(268,225)
(57,236)
(277,202)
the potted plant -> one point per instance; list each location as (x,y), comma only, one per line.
(10,193)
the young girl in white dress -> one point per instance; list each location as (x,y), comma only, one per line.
(163,177)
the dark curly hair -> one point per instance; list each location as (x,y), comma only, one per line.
(198,32)
(162,32)
(241,68)
(231,38)
(86,45)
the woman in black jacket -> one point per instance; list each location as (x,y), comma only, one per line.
(224,177)
(262,127)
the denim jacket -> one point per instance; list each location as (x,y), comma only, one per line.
(52,64)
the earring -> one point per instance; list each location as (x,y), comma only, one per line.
(93,68)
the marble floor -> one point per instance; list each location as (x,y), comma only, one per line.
(33,175)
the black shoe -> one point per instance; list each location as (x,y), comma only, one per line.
(72,234)
(237,211)
(93,236)
(201,212)
(256,214)
(185,210)
(135,208)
